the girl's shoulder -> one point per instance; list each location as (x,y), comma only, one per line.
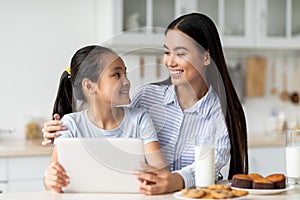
(75,116)
(136,116)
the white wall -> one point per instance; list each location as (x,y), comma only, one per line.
(37,40)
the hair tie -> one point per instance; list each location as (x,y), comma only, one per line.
(68,70)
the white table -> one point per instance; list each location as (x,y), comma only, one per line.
(46,195)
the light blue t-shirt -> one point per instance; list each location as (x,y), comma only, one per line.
(136,124)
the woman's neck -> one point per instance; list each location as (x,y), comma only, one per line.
(188,94)
(105,117)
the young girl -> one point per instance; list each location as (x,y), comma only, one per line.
(98,77)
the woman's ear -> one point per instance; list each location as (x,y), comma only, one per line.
(88,85)
(206,58)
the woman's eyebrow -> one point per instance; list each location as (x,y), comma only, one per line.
(177,48)
(180,47)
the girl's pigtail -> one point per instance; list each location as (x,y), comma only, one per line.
(64,99)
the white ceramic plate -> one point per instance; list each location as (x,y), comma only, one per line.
(178,195)
(271,191)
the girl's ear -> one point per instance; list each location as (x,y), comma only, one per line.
(88,85)
(206,58)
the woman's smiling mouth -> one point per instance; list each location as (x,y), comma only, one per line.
(176,73)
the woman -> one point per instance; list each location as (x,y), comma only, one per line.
(198,94)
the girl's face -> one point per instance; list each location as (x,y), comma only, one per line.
(113,85)
(183,58)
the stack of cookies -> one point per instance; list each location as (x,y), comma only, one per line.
(257,181)
(213,192)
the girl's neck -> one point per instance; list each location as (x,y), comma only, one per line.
(105,117)
(188,94)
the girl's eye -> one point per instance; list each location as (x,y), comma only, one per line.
(118,75)
(166,52)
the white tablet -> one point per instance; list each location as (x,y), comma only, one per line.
(101,164)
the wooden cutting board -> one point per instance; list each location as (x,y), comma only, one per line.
(256,68)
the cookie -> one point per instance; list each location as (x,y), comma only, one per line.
(221,194)
(213,192)
(192,193)
(239,193)
(219,187)
(207,194)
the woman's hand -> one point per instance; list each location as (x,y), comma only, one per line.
(55,177)
(158,181)
(50,130)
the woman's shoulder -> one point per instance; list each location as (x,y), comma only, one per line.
(133,111)
(151,89)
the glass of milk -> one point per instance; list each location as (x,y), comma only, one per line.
(204,161)
(292,151)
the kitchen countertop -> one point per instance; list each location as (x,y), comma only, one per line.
(266,140)
(23,148)
(293,194)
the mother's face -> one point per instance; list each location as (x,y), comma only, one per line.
(184,58)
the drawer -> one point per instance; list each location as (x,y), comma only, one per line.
(27,167)
(25,185)
(3,187)
(3,169)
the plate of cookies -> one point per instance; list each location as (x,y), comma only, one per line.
(257,184)
(211,192)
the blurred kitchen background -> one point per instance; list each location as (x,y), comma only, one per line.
(261,40)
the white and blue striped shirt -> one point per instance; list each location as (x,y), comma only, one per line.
(177,129)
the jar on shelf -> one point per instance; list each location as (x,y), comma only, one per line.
(32,128)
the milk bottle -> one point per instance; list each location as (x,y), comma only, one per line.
(292,151)
(204,161)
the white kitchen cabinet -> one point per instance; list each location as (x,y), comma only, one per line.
(241,23)
(127,27)
(19,174)
(3,170)
(266,160)
(233,18)
(134,23)
(279,25)
(3,175)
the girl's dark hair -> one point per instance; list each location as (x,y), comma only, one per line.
(202,29)
(87,62)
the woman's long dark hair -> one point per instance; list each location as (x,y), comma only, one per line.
(202,29)
(87,62)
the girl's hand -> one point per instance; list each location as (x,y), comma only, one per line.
(158,181)
(55,177)
(50,130)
